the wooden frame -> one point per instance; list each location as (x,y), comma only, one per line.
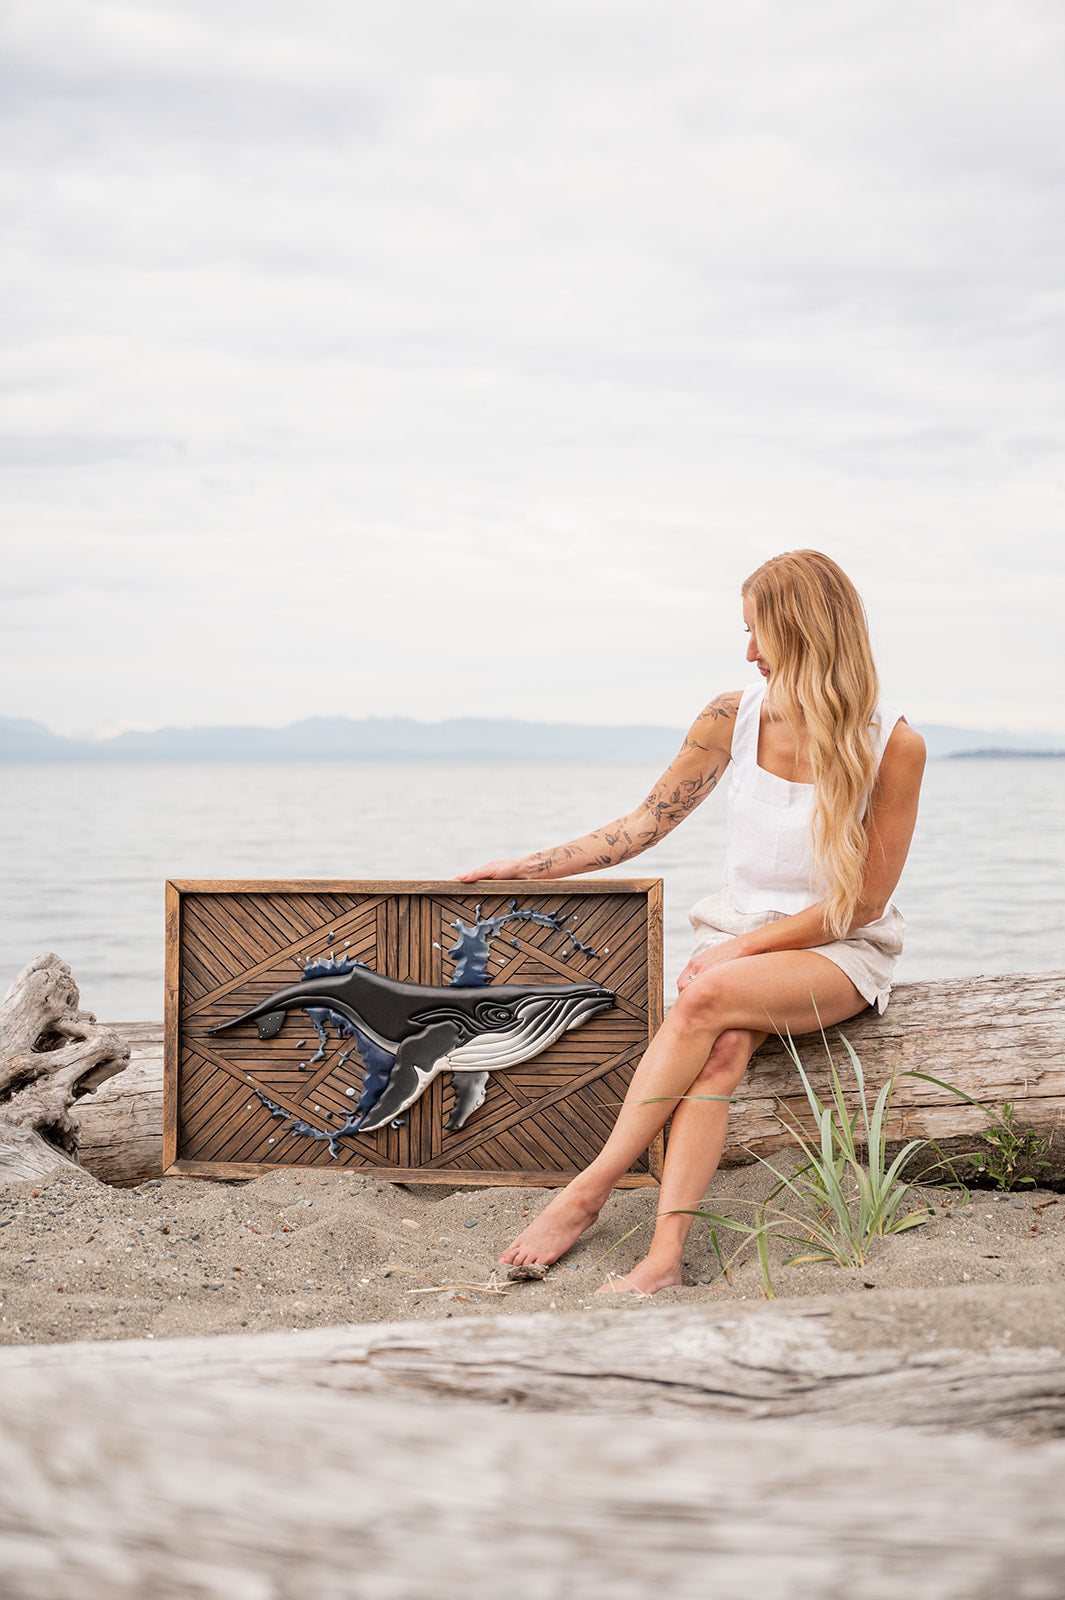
(230,1098)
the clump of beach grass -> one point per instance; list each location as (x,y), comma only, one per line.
(844,1195)
(1010,1150)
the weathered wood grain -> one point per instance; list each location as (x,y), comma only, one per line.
(214,1482)
(999,1038)
(121,1125)
(51,1052)
(779,1364)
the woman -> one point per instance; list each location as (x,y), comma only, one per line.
(822,804)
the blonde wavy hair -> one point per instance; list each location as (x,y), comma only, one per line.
(813,634)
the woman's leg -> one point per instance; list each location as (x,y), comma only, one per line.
(696,1140)
(794,990)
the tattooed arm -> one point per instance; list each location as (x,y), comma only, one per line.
(685,784)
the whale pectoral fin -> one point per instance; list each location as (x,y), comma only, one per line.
(469,1094)
(419,1060)
(404,1087)
(271,1024)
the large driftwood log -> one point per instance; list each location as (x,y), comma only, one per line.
(121,1138)
(51,1054)
(147,1483)
(818,1364)
(999,1038)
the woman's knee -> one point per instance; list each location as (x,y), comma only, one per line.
(702,1004)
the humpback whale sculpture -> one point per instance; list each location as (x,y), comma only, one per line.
(469,1031)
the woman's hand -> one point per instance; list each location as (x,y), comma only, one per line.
(520,867)
(716,956)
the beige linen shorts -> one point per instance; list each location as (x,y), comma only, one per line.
(868,956)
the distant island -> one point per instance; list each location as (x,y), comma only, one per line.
(455,739)
(998,754)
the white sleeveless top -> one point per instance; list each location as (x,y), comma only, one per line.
(768,862)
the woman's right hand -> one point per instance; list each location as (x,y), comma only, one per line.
(520,867)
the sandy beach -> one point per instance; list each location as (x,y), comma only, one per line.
(179,1256)
(895,1422)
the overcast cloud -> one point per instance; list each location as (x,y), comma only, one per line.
(449,358)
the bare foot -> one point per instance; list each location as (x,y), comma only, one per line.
(647,1277)
(558,1226)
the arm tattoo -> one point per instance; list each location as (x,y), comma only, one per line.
(724,707)
(667,805)
(545,860)
(669,802)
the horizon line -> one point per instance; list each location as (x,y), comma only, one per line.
(465,717)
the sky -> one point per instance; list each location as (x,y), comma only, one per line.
(454,357)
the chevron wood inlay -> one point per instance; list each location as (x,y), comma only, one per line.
(237,1103)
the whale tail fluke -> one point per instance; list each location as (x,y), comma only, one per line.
(267,1023)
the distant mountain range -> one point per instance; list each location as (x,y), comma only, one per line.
(457,739)
(344,739)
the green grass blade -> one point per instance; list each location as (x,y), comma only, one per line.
(915,1219)
(618,1242)
(952,1088)
(763,1262)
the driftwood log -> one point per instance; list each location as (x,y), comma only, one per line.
(998,1038)
(163,1491)
(51,1054)
(261,1467)
(761,1365)
(121,1137)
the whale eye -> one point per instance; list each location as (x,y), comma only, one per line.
(492,1015)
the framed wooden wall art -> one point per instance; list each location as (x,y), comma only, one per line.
(437,1032)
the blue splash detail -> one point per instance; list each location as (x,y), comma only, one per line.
(473,946)
(322,1018)
(304,1129)
(377,1064)
(330,966)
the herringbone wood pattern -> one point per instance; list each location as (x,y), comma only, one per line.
(232,945)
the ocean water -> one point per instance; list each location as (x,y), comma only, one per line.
(85,849)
